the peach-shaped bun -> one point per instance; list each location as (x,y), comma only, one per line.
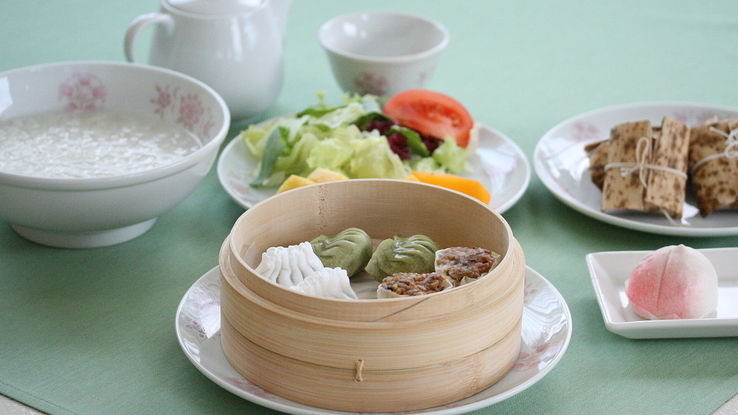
(673,282)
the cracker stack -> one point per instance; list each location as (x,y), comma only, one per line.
(650,176)
(667,190)
(597,161)
(714,176)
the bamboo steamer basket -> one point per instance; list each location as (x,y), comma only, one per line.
(371,355)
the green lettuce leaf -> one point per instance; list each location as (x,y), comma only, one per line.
(326,136)
(272,150)
(452,157)
(374,158)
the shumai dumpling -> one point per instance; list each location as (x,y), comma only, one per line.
(415,254)
(409,284)
(673,282)
(289,265)
(464,265)
(328,283)
(350,249)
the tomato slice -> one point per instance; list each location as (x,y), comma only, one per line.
(431,113)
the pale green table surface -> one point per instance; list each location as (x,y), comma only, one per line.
(92,331)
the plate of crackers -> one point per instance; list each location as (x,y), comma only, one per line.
(667,168)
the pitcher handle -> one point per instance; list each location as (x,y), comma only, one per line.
(138,24)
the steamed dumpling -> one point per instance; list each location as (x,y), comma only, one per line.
(464,265)
(415,254)
(329,283)
(410,284)
(673,282)
(289,265)
(349,249)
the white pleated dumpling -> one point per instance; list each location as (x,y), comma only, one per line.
(270,264)
(289,266)
(329,283)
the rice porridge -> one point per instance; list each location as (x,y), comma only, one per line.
(89,144)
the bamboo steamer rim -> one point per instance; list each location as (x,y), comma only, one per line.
(430,306)
(321,192)
(403,299)
(236,288)
(246,294)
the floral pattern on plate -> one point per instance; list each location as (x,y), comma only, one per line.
(546,333)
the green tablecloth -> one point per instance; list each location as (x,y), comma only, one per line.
(92,331)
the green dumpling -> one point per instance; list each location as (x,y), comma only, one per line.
(349,250)
(415,254)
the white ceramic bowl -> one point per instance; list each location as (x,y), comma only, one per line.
(92,212)
(382,53)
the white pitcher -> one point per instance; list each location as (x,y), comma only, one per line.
(234,46)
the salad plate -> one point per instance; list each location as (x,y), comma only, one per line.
(561,163)
(610,270)
(546,332)
(498,163)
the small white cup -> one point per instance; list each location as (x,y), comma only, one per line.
(382,53)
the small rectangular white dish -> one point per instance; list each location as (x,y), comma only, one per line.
(610,270)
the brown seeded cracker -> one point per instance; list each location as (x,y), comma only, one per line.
(666,190)
(624,191)
(715,181)
(597,153)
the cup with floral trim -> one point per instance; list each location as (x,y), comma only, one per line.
(382,53)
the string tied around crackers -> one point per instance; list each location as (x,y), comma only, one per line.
(731,148)
(641,166)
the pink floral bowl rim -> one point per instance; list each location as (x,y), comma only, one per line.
(103,80)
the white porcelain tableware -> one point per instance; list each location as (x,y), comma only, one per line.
(235,46)
(498,163)
(610,270)
(382,53)
(97,211)
(562,165)
(546,333)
